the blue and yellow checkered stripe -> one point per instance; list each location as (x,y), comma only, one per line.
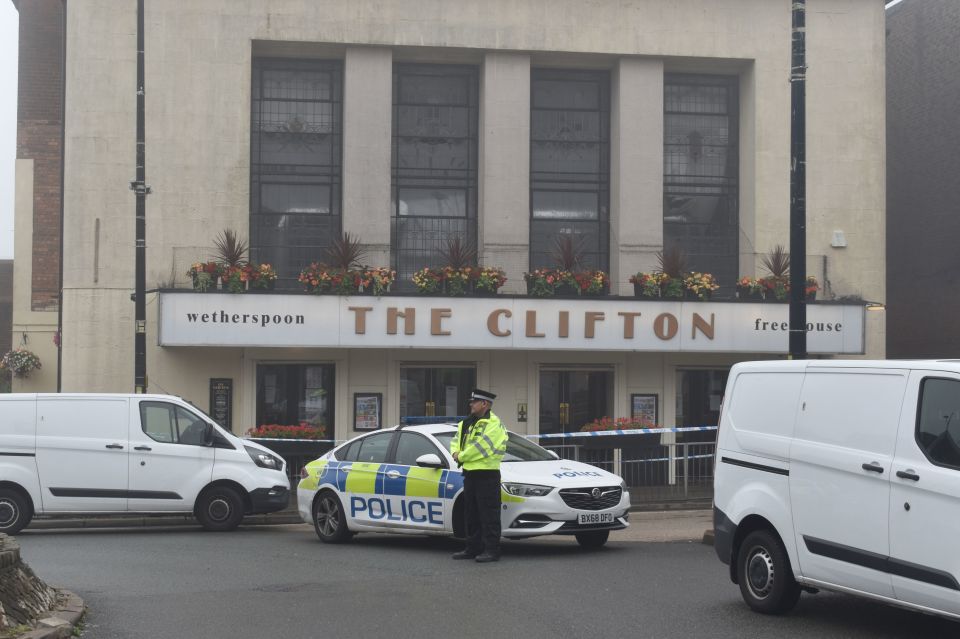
(375,479)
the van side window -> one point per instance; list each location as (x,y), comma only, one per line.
(171,424)
(938,424)
(157,421)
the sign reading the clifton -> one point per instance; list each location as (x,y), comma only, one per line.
(614,324)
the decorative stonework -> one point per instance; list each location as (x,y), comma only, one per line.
(24,598)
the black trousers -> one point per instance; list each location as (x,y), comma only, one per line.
(481,508)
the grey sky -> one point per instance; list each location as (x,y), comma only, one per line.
(9,20)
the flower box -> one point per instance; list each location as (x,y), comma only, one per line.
(548,282)
(484,281)
(320,279)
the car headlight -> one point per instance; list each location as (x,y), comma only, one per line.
(264,460)
(526,490)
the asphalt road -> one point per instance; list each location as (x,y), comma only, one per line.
(280,581)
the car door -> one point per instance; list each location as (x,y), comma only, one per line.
(925,494)
(169,461)
(82,453)
(417,493)
(363,504)
(840,468)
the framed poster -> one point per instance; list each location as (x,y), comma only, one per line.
(644,407)
(367,411)
(221,402)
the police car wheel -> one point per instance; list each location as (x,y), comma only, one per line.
(763,572)
(220,509)
(329,520)
(593,538)
(14,512)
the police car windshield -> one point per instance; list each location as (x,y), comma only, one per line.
(519,449)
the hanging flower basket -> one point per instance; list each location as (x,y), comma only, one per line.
(20,362)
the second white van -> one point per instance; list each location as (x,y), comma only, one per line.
(842,475)
(110,454)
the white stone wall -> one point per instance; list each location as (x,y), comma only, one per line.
(198,68)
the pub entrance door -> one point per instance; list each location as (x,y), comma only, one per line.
(435,391)
(570,398)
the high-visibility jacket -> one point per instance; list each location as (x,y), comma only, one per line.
(484,446)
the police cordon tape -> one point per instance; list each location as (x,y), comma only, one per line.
(634,431)
(592,433)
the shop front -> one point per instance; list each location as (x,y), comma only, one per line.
(356,363)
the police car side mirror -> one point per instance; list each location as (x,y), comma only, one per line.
(430,460)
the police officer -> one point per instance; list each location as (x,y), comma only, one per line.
(478,448)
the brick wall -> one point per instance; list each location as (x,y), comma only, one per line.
(39,127)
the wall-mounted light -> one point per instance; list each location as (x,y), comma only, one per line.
(874,306)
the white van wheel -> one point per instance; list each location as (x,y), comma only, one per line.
(220,509)
(14,512)
(329,520)
(763,572)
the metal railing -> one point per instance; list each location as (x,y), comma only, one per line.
(656,472)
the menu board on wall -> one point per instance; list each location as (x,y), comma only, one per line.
(221,401)
(367,411)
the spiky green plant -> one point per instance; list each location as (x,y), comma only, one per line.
(459,254)
(673,262)
(568,252)
(345,252)
(231,249)
(777,262)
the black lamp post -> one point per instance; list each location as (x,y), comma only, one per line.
(142,190)
(798,184)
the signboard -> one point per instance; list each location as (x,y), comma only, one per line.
(595,324)
(644,408)
(367,411)
(221,402)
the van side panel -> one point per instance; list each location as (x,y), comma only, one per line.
(18,445)
(753,444)
(82,453)
(840,475)
(761,414)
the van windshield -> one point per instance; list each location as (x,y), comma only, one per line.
(519,448)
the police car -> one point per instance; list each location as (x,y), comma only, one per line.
(403,480)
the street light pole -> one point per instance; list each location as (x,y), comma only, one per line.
(798,184)
(142,190)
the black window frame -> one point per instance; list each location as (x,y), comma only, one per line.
(330,369)
(292,250)
(916,431)
(714,246)
(428,235)
(555,181)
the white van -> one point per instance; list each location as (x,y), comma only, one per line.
(99,453)
(842,475)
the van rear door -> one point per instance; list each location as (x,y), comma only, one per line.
(82,453)
(925,494)
(840,465)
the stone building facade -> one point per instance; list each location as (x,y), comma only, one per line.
(631,126)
